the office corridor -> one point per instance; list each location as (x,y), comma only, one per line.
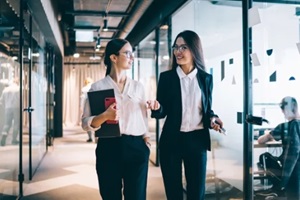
(68,172)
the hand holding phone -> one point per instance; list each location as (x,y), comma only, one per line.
(108,102)
(222,130)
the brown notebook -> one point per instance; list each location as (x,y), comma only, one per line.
(97,105)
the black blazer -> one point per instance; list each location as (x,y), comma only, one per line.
(169,97)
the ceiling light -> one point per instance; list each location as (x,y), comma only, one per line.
(105,28)
(98,42)
(164,27)
(95,58)
(36,54)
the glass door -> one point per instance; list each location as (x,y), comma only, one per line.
(35,79)
(11,91)
(50,57)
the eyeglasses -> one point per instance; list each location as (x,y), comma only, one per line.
(282,105)
(128,54)
(181,48)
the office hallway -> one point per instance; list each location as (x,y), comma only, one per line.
(68,172)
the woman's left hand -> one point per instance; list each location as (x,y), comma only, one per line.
(147,142)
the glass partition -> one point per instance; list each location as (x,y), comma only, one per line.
(9,125)
(276,66)
(146,74)
(38,95)
(34,143)
(219,25)
(9,103)
(152,57)
(163,65)
(22,62)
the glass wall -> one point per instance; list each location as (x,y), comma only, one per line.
(34,65)
(33,101)
(219,25)
(152,57)
(164,60)
(10,110)
(145,69)
(276,66)
(38,95)
(9,125)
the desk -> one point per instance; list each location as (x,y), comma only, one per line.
(268,144)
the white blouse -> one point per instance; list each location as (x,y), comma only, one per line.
(191,101)
(131,105)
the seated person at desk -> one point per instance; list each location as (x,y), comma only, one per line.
(290,174)
(271,163)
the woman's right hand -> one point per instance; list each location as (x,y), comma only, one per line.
(153,104)
(112,112)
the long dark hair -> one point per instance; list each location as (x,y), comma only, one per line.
(193,42)
(112,47)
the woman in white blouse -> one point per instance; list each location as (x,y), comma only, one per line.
(184,98)
(121,162)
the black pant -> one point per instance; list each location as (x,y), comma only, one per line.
(190,149)
(122,161)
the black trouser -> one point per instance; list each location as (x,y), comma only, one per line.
(190,149)
(122,161)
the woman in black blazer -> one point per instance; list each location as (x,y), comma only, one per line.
(184,97)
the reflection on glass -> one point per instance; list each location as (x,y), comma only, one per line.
(9,123)
(146,75)
(145,70)
(221,38)
(34,97)
(10,100)
(274,77)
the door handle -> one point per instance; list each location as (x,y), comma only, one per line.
(28,109)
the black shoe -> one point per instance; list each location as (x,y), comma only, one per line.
(3,140)
(89,140)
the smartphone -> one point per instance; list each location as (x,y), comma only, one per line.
(108,102)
